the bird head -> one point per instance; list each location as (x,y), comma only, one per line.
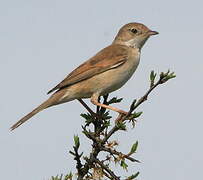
(134,35)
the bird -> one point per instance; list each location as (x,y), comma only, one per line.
(105,72)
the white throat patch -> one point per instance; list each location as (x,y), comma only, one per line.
(131,43)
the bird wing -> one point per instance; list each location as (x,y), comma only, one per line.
(108,58)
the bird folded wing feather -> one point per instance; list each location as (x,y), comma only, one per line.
(108,58)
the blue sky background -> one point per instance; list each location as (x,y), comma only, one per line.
(42,41)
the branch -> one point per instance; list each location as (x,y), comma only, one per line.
(114,177)
(111,151)
(97,129)
(163,78)
(87,107)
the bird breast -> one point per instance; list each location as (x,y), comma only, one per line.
(115,78)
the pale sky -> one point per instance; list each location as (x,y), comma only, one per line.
(42,41)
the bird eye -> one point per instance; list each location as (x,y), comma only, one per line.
(133,31)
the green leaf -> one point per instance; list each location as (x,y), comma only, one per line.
(121,125)
(133,104)
(85,116)
(138,114)
(152,76)
(106,124)
(69,176)
(166,76)
(57,177)
(106,116)
(76,141)
(172,75)
(114,100)
(135,115)
(133,176)
(123,164)
(134,147)
(88,118)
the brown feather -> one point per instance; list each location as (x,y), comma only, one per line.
(44,105)
(106,59)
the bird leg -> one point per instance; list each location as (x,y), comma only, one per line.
(94,100)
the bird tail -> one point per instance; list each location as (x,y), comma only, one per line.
(44,105)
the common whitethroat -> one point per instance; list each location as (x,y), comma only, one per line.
(104,73)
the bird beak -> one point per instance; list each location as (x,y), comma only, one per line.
(151,33)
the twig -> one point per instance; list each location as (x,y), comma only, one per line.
(89,135)
(164,77)
(107,169)
(87,107)
(111,151)
(109,134)
(108,176)
(133,106)
(79,164)
(144,98)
